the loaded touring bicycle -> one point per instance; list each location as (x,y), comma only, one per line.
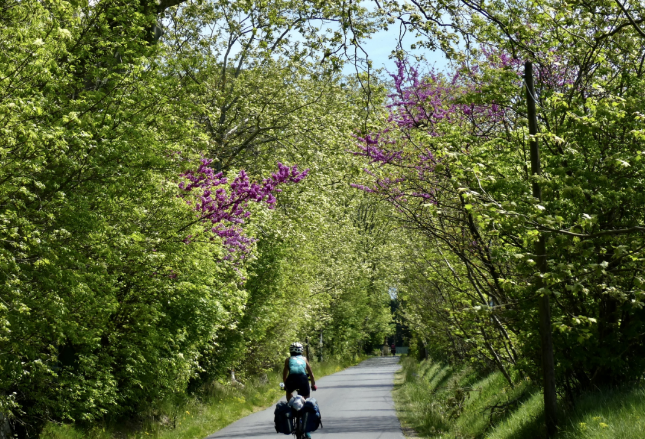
(297,417)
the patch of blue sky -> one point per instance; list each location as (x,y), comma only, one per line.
(379,49)
(379,46)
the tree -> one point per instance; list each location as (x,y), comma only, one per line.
(113,296)
(456,166)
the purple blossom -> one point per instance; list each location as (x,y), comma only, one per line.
(224,206)
(430,102)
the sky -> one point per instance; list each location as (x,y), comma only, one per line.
(382,43)
(379,48)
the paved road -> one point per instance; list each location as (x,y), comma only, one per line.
(355,404)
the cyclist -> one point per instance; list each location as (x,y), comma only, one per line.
(294,375)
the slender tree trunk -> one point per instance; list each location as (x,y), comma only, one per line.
(544,311)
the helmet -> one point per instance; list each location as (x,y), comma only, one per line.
(295,348)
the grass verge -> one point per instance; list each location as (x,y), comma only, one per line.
(438,401)
(196,417)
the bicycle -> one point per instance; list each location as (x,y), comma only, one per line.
(298,421)
(298,427)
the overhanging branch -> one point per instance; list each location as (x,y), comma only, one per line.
(631,20)
(165,4)
(637,229)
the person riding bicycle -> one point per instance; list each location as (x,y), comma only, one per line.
(294,375)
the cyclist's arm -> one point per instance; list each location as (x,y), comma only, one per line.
(285,371)
(311,373)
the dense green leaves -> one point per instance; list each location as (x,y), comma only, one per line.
(106,308)
(113,296)
(472,291)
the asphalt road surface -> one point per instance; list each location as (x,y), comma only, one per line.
(355,404)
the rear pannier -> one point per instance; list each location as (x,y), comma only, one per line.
(283,419)
(310,416)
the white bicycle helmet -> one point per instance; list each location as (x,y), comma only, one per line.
(295,348)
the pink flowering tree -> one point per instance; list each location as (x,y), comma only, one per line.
(223,206)
(437,124)
(453,159)
(425,110)
(434,161)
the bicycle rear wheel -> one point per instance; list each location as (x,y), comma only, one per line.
(297,432)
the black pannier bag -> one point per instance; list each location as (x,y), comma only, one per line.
(283,418)
(310,415)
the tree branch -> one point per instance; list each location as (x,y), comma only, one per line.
(637,229)
(631,20)
(165,4)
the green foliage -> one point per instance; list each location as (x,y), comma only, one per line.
(94,322)
(469,289)
(106,313)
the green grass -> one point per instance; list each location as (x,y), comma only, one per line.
(195,418)
(608,414)
(618,413)
(437,401)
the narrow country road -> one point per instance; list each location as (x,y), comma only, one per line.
(355,404)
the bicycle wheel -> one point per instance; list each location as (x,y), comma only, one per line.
(297,432)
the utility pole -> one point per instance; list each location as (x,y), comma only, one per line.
(307,347)
(320,355)
(544,310)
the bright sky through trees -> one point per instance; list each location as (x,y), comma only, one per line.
(380,47)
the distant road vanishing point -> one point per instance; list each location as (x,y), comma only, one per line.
(355,404)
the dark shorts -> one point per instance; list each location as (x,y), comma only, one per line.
(298,382)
